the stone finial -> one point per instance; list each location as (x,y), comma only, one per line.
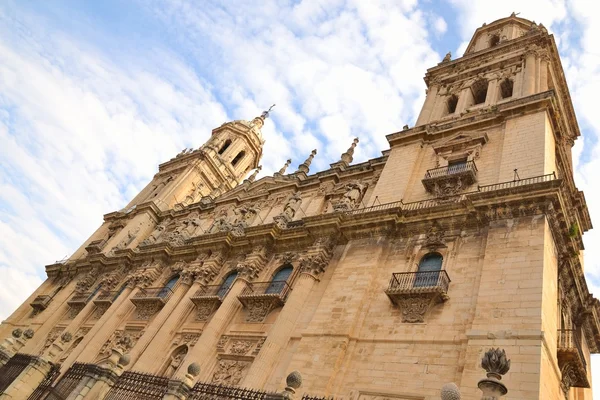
(16,333)
(294,380)
(450,392)
(28,334)
(252,177)
(305,166)
(447,57)
(285,166)
(496,364)
(194,369)
(258,122)
(347,156)
(124,360)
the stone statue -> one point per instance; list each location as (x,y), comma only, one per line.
(221,223)
(292,205)
(447,57)
(354,193)
(158,230)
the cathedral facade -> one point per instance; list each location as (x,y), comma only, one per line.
(378,280)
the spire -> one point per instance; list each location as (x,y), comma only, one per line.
(284,168)
(347,156)
(252,177)
(258,122)
(304,167)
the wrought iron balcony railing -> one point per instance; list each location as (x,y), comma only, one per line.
(158,295)
(450,180)
(40,303)
(207,299)
(78,299)
(570,356)
(106,297)
(260,298)
(468,166)
(416,292)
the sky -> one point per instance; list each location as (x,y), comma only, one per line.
(95,94)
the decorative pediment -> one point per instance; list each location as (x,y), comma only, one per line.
(460,141)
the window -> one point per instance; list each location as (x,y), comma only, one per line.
(279,280)
(225,146)
(451,103)
(429,270)
(494,40)
(226,285)
(237,158)
(169,286)
(479,90)
(120,291)
(506,88)
(456,166)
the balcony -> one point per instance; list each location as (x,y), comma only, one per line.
(449,181)
(571,360)
(95,246)
(40,303)
(260,298)
(158,295)
(79,299)
(416,292)
(106,297)
(207,299)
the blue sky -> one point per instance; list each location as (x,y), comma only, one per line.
(95,94)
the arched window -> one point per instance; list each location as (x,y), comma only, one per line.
(169,286)
(479,90)
(226,285)
(238,158)
(91,296)
(506,88)
(120,291)
(494,40)
(429,270)
(451,103)
(225,146)
(279,279)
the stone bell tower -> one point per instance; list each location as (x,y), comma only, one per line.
(219,165)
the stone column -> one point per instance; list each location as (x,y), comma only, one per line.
(89,347)
(98,385)
(206,347)
(311,266)
(204,274)
(462,100)
(544,62)
(492,92)
(425,114)
(180,390)
(28,380)
(280,333)
(153,327)
(529,73)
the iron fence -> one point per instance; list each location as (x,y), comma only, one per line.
(273,288)
(44,388)
(210,291)
(140,386)
(106,296)
(68,383)
(209,391)
(13,368)
(163,293)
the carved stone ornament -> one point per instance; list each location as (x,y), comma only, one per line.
(435,237)
(414,307)
(221,222)
(74,310)
(187,338)
(126,241)
(249,269)
(66,337)
(86,281)
(144,311)
(205,307)
(314,265)
(496,364)
(450,392)
(28,333)
(124,340)
(100,310)
(229,372)
(51,337)
(258,308)
(351,198)
(158,230)
(287,257)
(240,347)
